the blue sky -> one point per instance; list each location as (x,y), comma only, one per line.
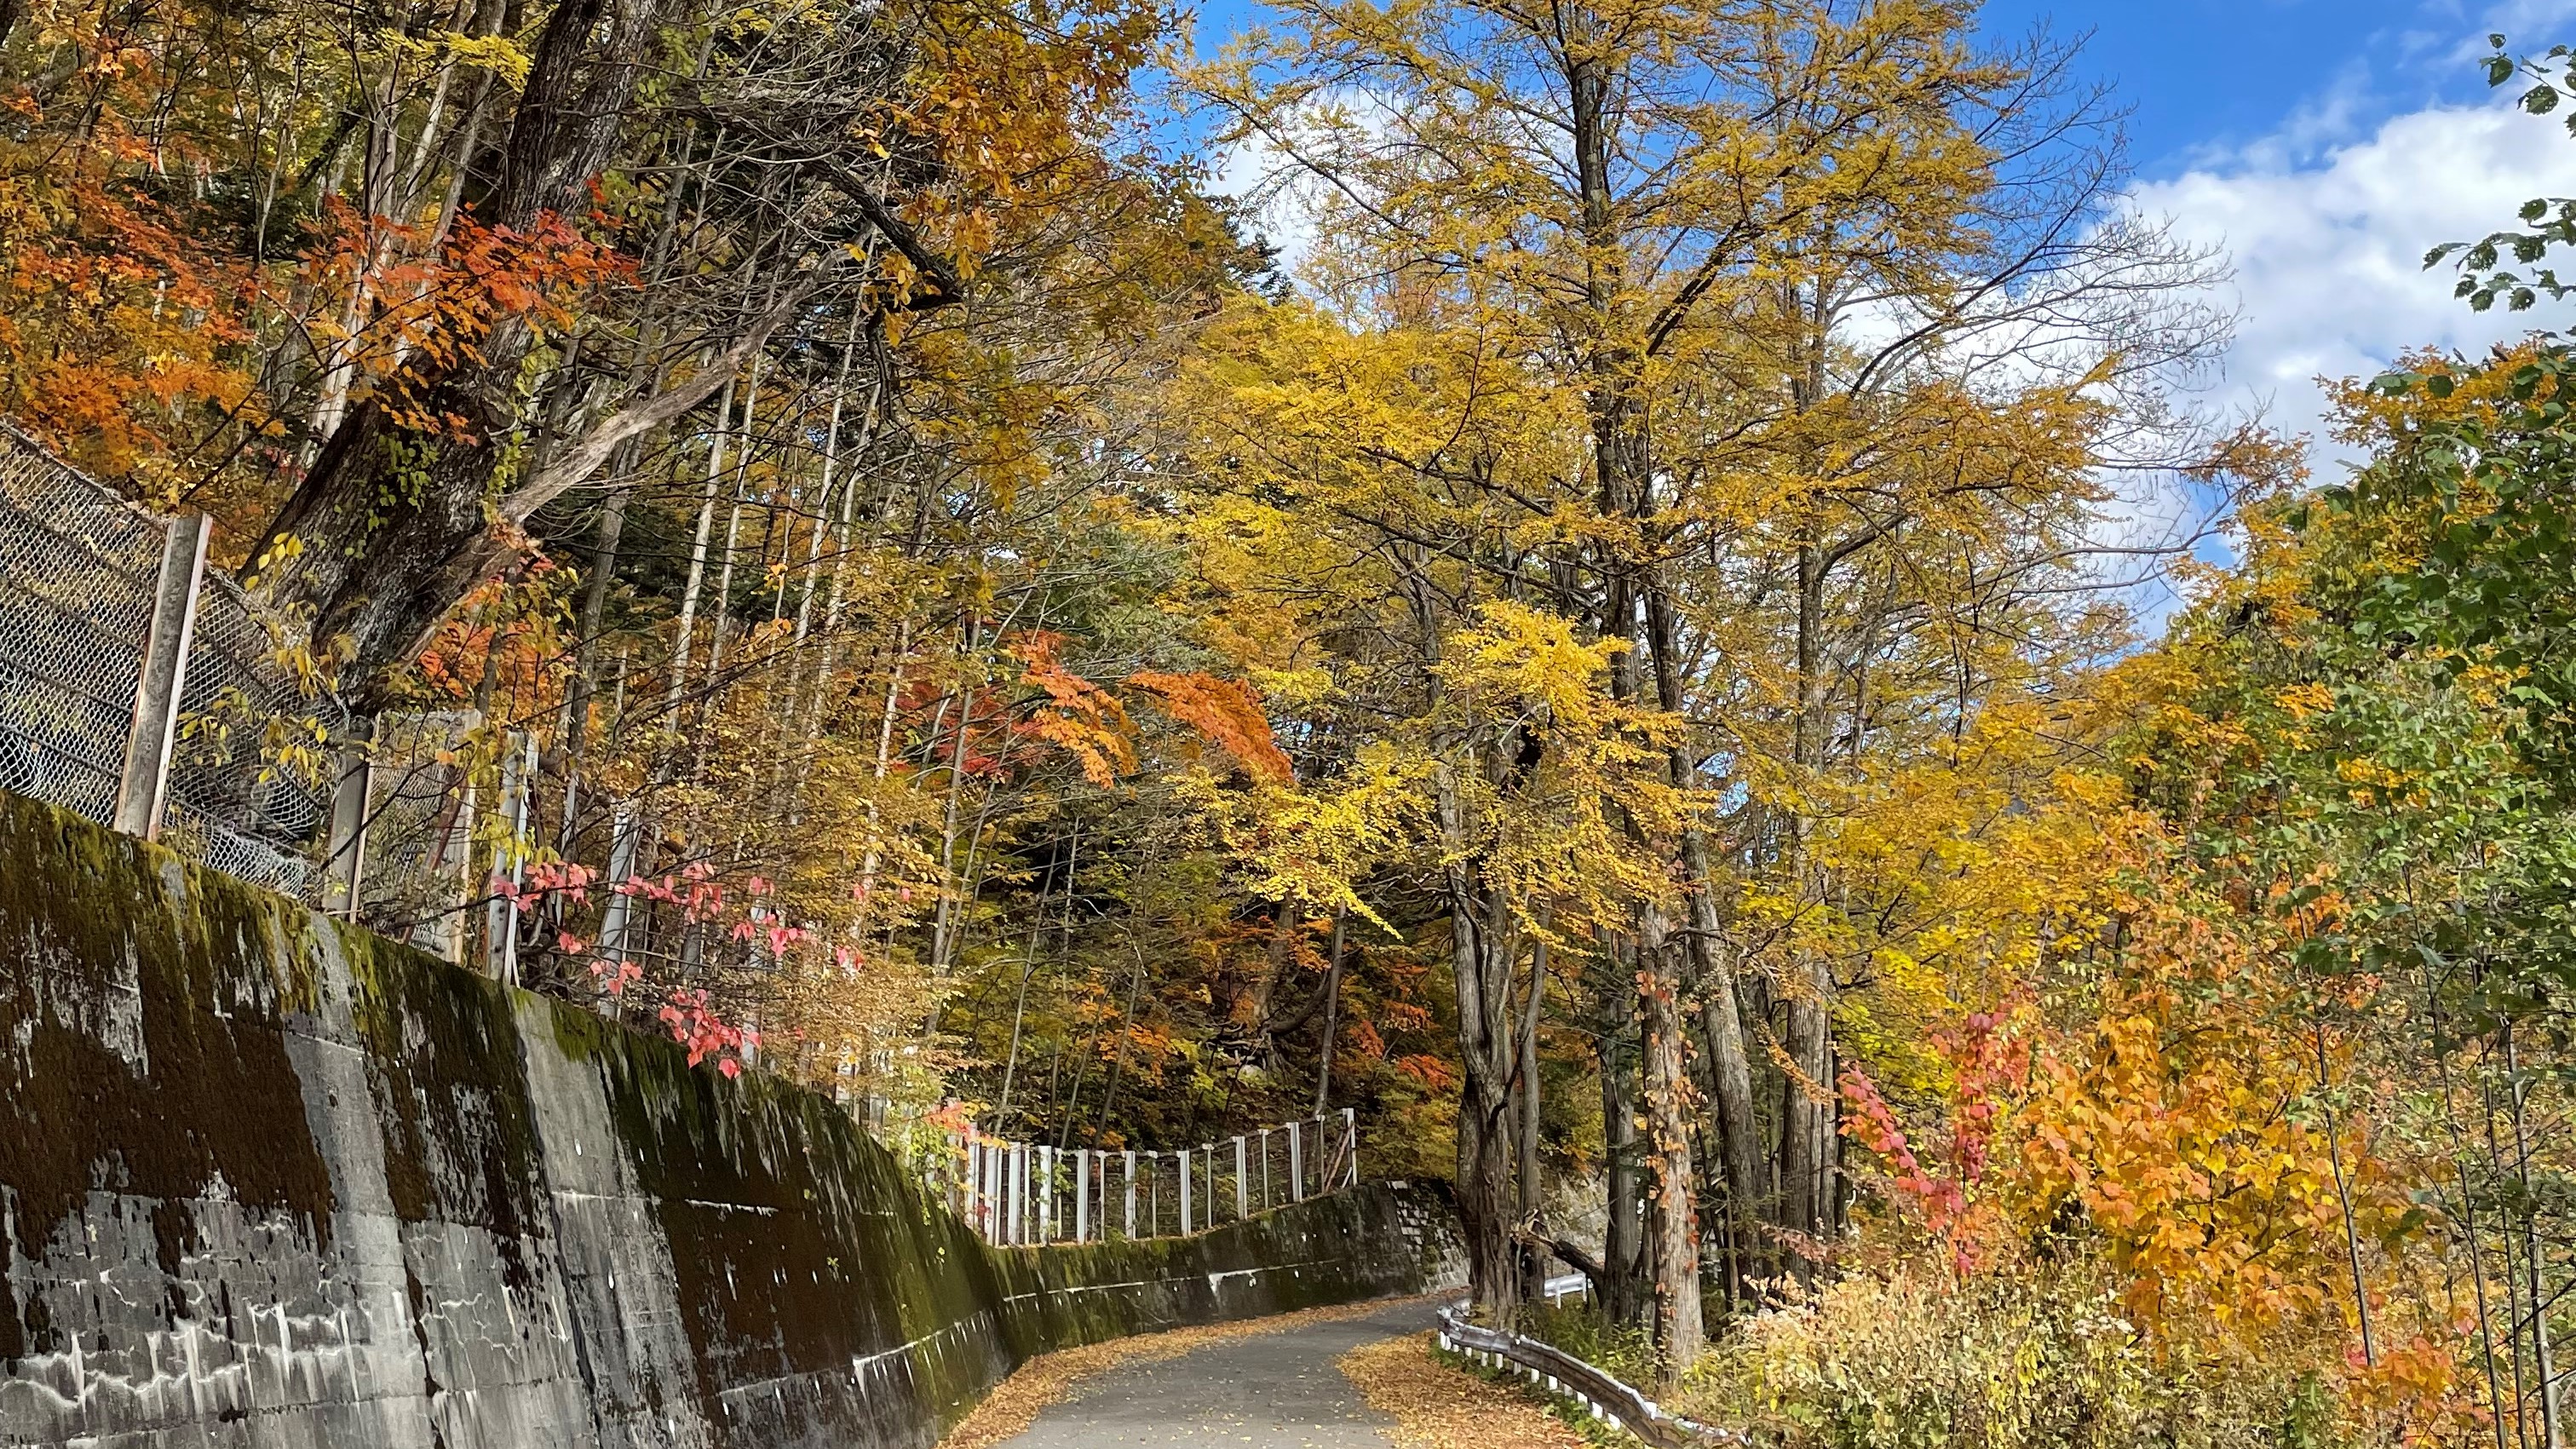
(2204,77)
(2323,145)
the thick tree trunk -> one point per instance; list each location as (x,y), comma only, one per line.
(390,526)
(1532,1201)
(1480,960)
(1672,1223)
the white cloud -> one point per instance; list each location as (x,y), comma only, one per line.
(2328,252)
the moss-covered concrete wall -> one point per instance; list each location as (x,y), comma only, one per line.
(265,1180)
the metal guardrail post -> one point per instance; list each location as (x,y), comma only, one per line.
(1185,1192)
(145,781)
(1131,1194)
(1296,1166)
(344,853)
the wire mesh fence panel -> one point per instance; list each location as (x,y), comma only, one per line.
(429,779)
(251,784)
(79,567)
(77,570)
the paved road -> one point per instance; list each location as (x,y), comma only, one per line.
(1266,1391)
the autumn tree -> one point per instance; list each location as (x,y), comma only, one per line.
(1769,267)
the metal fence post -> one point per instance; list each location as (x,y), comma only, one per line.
(344,854)
(1131,1194)
(1081,1194)
(1019,1192)
(145,782)
(501,917)
(623,829)
(996,1194)
(1242,1199)
(1296,1166)
(1351,1137)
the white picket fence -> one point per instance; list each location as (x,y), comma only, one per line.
(1023,1193)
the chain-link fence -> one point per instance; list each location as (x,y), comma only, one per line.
(439,816)
(79,569)
(448,800)
(77,572)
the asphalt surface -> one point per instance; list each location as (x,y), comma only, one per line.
(1266,1391)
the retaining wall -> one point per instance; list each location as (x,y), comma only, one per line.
(268,1180)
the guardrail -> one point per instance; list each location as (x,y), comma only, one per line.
(1605,1397)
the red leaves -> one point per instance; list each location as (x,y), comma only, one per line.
(1987,1066)
(695,1025)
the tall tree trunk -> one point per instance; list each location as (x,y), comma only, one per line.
(1532,1200)
(1721,1019)
(1672,1222)
(1332,1020)
(1480,962)
(677,684)
(1621,1232)
(1806,1121)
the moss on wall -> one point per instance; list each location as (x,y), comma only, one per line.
(177,1046)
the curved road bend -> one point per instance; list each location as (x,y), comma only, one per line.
(1266,1391)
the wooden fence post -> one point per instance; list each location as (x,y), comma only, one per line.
(144,784)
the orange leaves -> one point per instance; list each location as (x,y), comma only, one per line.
(1430,1071)
(1227,711)
(430,302)
(2177,1119)
(1077,716)
(1088,722)
(121,330)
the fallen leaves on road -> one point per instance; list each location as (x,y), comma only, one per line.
(1439,1407)
(1015,1402)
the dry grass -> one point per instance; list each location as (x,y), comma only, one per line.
(1439,1407)
(1015,1402)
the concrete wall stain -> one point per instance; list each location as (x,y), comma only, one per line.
(265,1180)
